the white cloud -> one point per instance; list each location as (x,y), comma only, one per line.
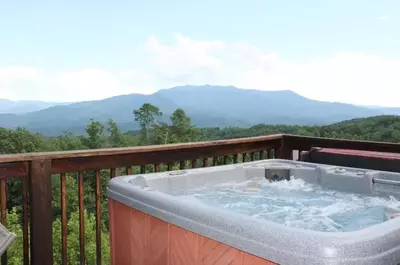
(74,85)
(353,77)
(383,17)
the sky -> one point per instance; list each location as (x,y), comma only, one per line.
(332,50)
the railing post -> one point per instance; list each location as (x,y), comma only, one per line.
(284,151)
(40,212)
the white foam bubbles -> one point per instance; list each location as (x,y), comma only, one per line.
(296,203)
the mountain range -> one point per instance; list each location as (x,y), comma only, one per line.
(208,106)
(24,106)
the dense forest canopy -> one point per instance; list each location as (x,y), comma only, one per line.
(153,131)
(180,129)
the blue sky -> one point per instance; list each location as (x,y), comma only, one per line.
(79,50)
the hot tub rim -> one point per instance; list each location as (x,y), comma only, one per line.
(348,243)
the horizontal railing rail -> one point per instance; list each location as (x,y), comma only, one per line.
(296,142)
(72,161)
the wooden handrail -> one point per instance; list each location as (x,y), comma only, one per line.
(296,142)
(136,149)
(73,161)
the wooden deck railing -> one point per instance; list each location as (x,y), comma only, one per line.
(36,170)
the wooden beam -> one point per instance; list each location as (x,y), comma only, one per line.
(138,149)
(296,142)
(41,212)
(284,151)
(74,164)
(13,169)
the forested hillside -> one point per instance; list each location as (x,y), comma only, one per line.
(179,128)
(378,128)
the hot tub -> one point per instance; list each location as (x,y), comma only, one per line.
(263,212)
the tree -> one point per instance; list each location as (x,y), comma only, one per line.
(95,138)
(65,142)
(73,240)
(14,252)
(20,140)
(162,133)
(180,119)
(15,255)
(182,129)
(146,117)
(116,138)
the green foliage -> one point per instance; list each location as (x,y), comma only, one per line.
(73,240)
(116,138)
(15,251)
(146,117)
(180,129)
(20,140)
(95,138)
(67,141)
(379,128)
(15,255)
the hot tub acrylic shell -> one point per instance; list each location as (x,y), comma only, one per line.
(151,226)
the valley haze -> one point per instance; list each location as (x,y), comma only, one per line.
(208,106)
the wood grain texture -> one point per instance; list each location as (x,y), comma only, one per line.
(25,216)
(13,169)
(284,151)
(75,161)
(184,246)
(63,183)
(82,242)
(120,235)
(3,206)
(140,239)
(296,142)
(154,149)
(41,215)
(138,234)
(158,242)
(98,216)
(215,253)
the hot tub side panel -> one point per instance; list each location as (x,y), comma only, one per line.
(141,239)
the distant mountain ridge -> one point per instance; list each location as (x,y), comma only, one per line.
(24,106)
(207,106)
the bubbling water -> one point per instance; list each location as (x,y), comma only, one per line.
(296,203)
